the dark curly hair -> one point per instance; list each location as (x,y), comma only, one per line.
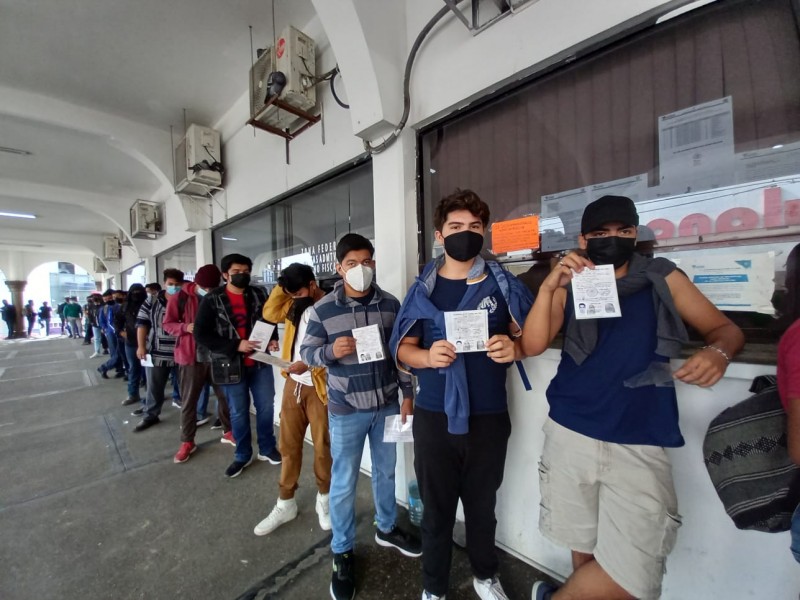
(460,200)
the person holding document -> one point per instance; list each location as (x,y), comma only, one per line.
(225,318)
(305,398)
(605,479)
(360,397)
(461,424)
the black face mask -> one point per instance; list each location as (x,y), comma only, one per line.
(464,245)
(611,250)
(110,302)
(240,280)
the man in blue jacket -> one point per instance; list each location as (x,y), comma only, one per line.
(360,397)
(105,318)
(461,423)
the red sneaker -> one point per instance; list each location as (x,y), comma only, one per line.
(186,450)
(227,438)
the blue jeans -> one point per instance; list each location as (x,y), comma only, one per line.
(176,390)
(348,433)
(202,402)
(114,361)
(134,372)
(260,382)
(98,344)
(796,534)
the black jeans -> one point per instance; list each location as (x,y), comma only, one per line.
(156,381)
(449,467)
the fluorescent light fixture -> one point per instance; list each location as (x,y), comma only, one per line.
(17,215)
(683,10)
(15,151)
(230,239)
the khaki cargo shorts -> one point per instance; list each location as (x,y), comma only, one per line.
(614,501)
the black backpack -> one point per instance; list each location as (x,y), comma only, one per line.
(745,452)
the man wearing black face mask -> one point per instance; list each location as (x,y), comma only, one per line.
(461,422)
(606,481)
(225,319)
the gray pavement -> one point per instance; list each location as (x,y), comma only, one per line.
(90,510)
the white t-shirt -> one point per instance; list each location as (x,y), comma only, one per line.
(305,378)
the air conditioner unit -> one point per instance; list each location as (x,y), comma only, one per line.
(112,248)
(147,220)
(294,56)
(99,266)
(198,161)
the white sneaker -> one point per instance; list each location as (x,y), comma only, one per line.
(284,511)
(323,511)
(95,355)
(489,589)
(429,596)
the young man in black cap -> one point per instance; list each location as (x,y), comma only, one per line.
(605,479)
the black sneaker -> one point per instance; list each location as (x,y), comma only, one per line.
(145,424)
(130,400)
(236,467)
(217,424)
(138,412)
(407,543)
(273,457)
(343,578)
(120,374)
(102,372)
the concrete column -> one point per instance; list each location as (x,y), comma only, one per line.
(203,247)
(396,247)
(16,287)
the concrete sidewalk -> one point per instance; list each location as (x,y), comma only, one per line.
(90,510)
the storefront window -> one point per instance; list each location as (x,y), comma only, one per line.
(181,257)
(309,222)
(696,119)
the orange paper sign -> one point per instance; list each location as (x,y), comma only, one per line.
(516,234)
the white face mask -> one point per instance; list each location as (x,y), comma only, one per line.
(359,277)
(200,291)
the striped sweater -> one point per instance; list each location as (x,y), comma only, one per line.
(160,344)
(354,387)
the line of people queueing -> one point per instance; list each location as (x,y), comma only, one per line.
(606,484)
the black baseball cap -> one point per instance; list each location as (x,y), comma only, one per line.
(609,209)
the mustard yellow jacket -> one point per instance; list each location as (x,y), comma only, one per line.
(276,309)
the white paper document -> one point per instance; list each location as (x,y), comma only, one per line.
(467,330)
(696,150)
(594,292)
(369,345)
(269,359)
(147,361)
(262,333)
(735,282)
(394,430)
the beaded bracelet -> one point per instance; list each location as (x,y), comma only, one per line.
(721,351)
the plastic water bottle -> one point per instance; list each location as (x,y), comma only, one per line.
(414,504)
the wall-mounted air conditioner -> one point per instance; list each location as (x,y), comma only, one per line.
(99,265)
(147,220)
(112,248)
(294,57)
(198,161)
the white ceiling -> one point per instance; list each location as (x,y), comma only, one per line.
(140,61)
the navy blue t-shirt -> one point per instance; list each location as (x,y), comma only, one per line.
(486,379)
(592,398)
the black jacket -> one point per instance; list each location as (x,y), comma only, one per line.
(214,325)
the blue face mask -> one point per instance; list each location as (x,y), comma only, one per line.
(173,289)
(201,292)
